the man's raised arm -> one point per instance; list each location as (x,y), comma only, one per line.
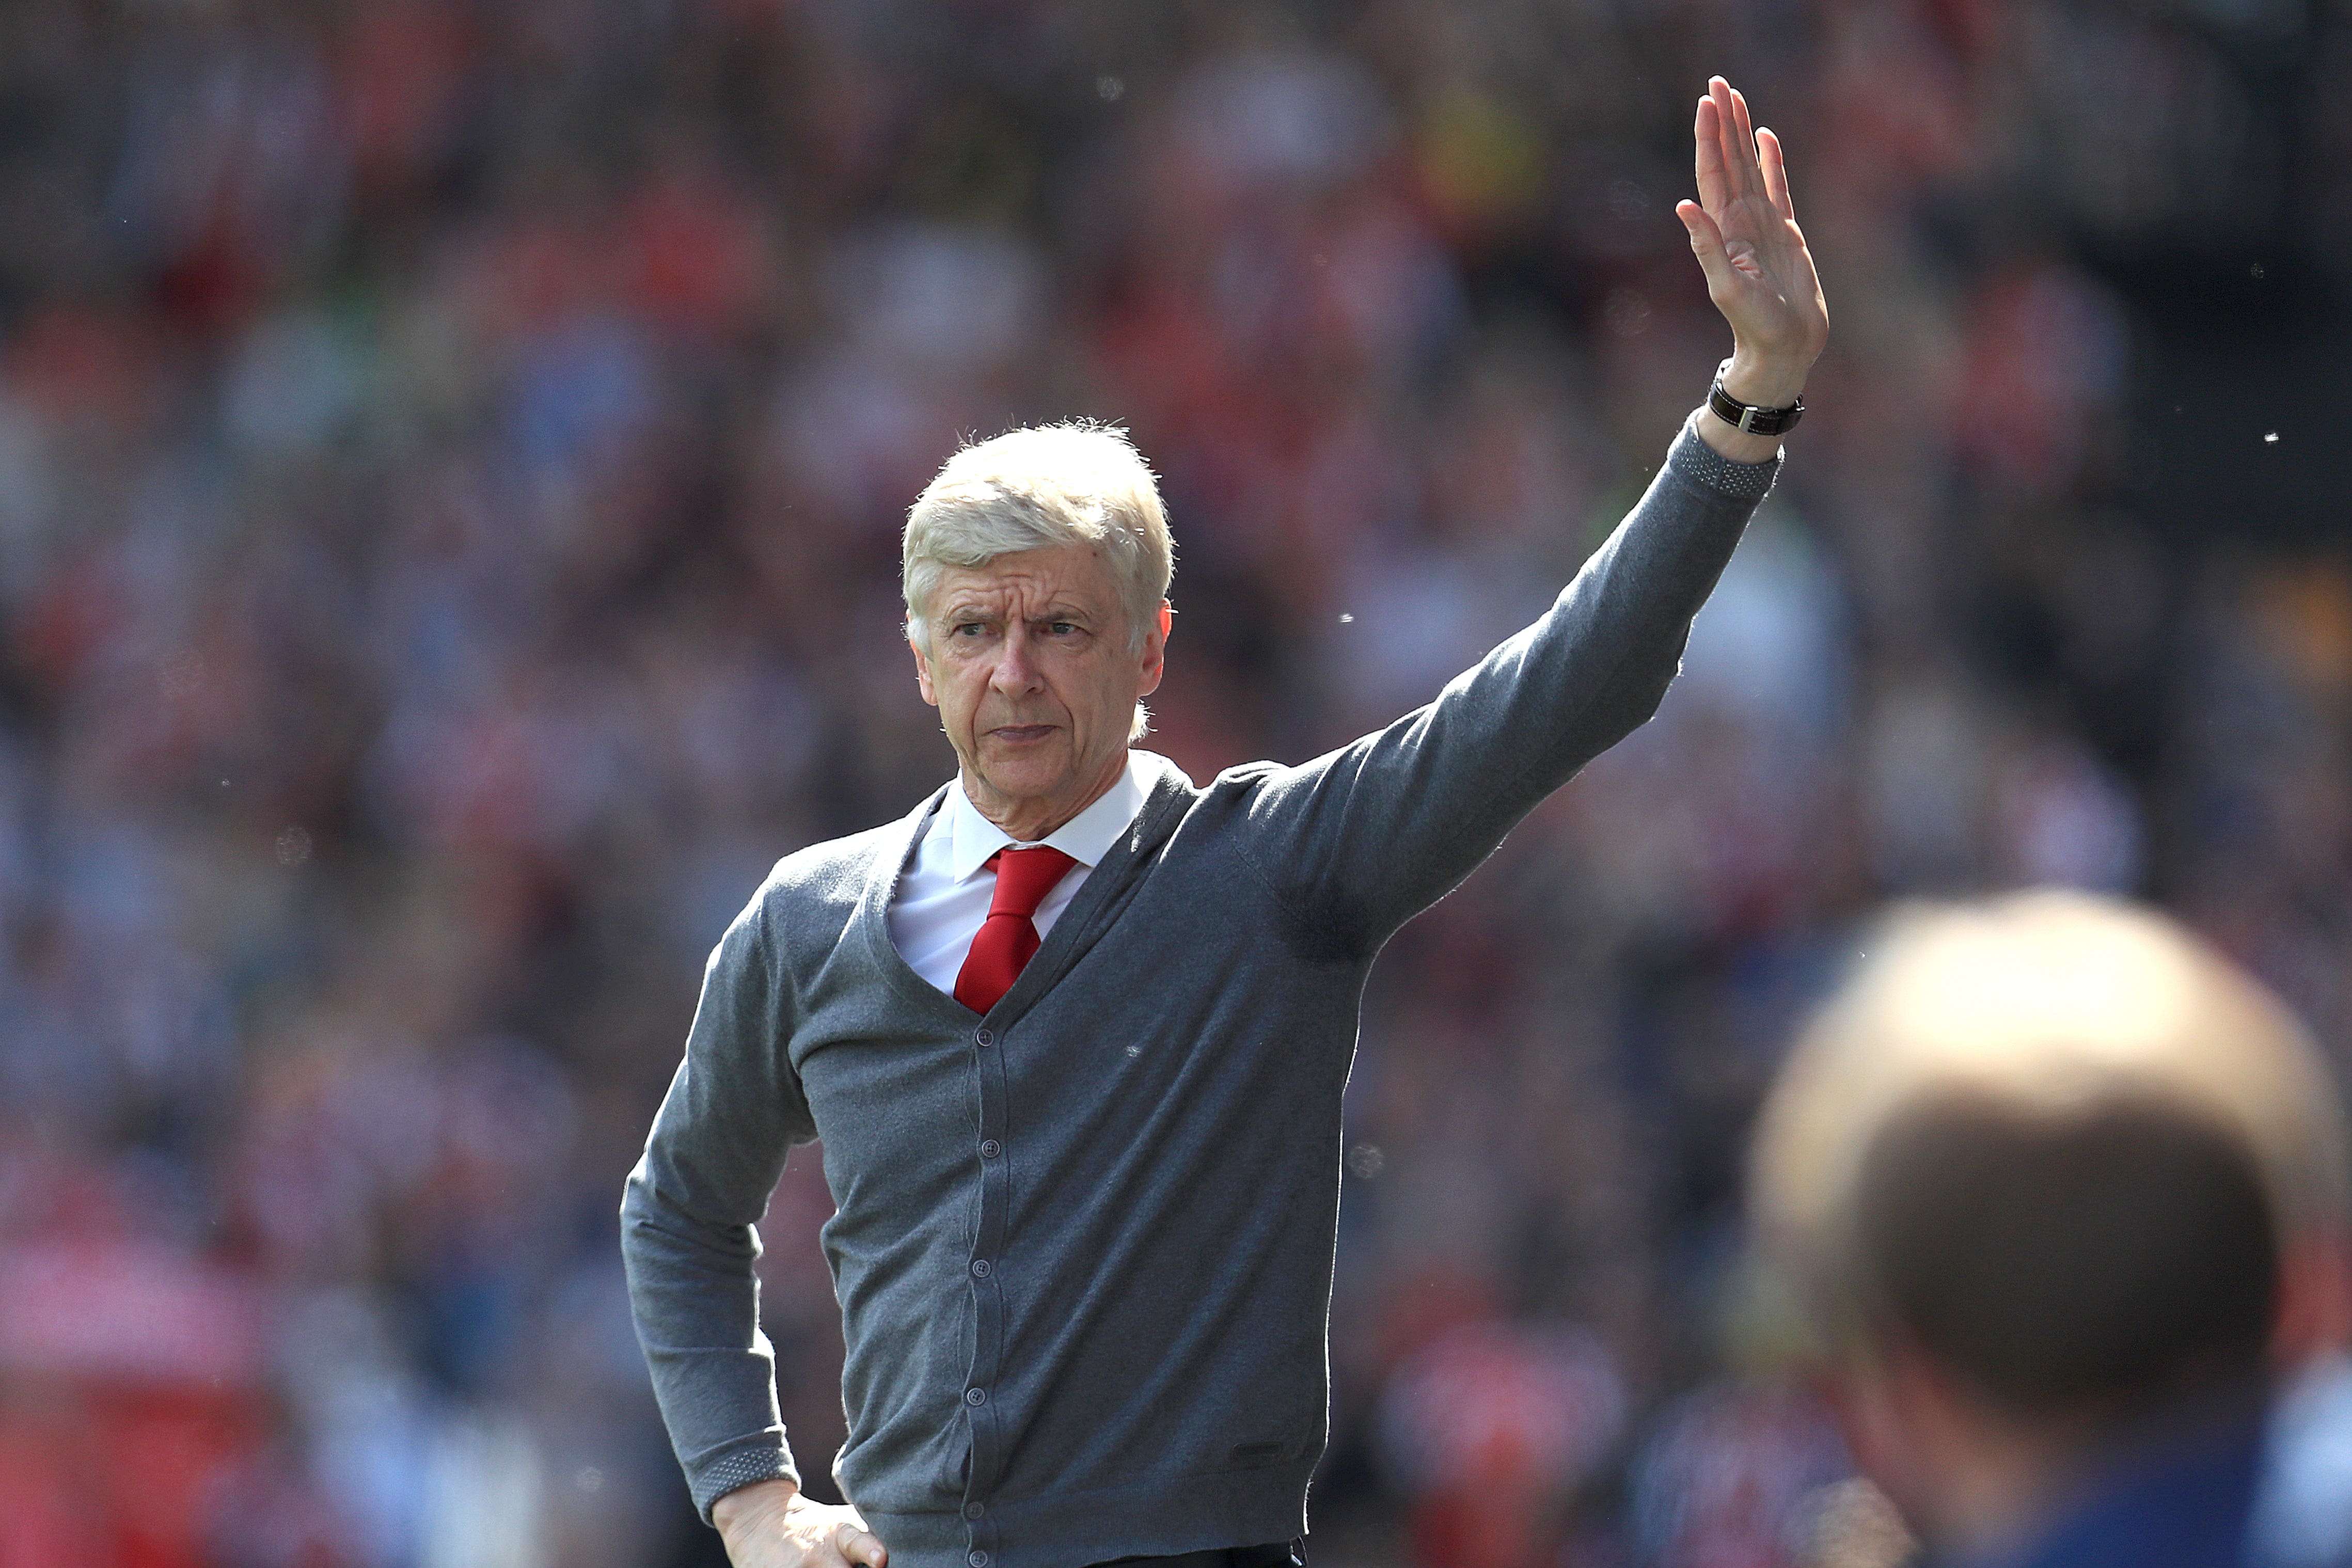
(1368,836)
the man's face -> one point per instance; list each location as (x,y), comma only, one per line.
(1036,677)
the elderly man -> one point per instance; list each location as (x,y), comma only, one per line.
(2065,1194)
(1073,1030)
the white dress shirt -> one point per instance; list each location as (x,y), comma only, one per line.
(943,895)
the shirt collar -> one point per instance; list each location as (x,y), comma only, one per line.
(1084,838)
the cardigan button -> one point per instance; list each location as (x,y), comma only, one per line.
(983,1040)
(989,1148)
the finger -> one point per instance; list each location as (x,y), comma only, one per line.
(859,1546)
(1712,189)
(1738,161)
(1745,133)
(1747,125)
(1706,244)
(1776,172)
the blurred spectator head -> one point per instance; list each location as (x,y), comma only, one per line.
(2051,1176)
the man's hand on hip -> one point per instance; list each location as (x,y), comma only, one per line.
(768,1524)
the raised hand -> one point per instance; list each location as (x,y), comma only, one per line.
(1758,272)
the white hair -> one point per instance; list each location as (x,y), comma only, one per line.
(1074,483)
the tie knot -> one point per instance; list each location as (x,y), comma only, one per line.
(1023,878)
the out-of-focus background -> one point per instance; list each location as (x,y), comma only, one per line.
(450,461)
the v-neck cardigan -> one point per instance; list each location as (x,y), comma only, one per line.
(1083,1244)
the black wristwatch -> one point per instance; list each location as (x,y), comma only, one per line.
(1748,416)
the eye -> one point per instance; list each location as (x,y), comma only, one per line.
(1062,628)
(968,629)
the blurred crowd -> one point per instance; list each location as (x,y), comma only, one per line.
(451,457)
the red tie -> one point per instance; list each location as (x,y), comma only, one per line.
(1007,939)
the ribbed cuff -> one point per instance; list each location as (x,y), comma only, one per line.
(1694,459)
(741,1469)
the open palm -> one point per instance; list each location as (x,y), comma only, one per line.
(1743,230)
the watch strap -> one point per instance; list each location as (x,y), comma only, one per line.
(1750,417)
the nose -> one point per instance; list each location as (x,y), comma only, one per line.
(1016,670)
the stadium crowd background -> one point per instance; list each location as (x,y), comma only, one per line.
(450,462)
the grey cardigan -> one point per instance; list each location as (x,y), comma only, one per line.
(1083,1244)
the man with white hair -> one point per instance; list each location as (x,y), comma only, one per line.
(1073,1030)
(2063,1198)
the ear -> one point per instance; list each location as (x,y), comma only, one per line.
(1860,1398)
(1155,650)
(1894,1410)
(2314,1304)
(923,673)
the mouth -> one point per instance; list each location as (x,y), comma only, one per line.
(1021,733)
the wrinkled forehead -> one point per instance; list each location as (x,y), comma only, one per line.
(1027,582)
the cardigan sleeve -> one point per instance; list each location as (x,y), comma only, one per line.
(687,1233)
(1361,839)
